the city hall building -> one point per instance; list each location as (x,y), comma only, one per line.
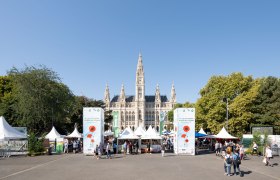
(139,109)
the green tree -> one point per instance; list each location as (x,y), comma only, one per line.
(7,100)
(41,99)
(267,104)
(210,109)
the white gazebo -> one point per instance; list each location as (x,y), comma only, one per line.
(139,131)
(223,134)
(53,135)
(201,131)
(128,134)
(7,132)
(75,134)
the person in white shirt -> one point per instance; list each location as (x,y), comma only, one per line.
(268,156)
(255,148)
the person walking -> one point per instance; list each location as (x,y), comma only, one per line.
(268,156)
(217,147)
(236,162)
(149,147)
(66,146)
(255,148)
(241,152)
(228,162)
(162,149)
(97,150)
(108,151)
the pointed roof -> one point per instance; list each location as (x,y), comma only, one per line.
(108,133)
(7,132)
(128,134)
(151,134)
(223,134)
(201,131)
(75,134)
(139,131)
(140,64)
(53,134)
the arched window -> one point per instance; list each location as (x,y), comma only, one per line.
(157,128)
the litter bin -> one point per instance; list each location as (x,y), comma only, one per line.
(50,151)
(275,150)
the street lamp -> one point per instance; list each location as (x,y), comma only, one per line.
(226,101)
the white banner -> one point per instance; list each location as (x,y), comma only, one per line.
(184,128)
(93,128)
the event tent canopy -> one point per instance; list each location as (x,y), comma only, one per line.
(139,131)
(108,133)
(198,135)
(201,131)
(7,132)
(151,134)
(128,134)
(53,134)
(75,134)
(223,134)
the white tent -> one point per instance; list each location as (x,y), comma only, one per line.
(7,132)
(139,131)
(128,134)
(53,135)
(201,131)
(151,134)
(223,134)
(108,133)
(75,134)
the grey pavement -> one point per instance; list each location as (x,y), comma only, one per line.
(130,167)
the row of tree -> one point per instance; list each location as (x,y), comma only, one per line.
(250,102)
(37,99)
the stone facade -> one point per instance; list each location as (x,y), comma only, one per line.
(139,109)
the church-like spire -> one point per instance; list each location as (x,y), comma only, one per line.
(140,80)
(140,64)
(158,99)
(122,94)
(107,95)
(173,94)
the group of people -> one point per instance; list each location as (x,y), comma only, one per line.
(220,148)
(76,146)
(130,147)
(232,158)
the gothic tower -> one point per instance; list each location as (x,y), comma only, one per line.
(107,97)
(140,93)
(173,96)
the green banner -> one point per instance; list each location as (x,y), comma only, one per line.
(116,123)
(161,121)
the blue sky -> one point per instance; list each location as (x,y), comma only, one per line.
(91,43)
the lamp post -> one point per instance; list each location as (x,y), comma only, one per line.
(226,101)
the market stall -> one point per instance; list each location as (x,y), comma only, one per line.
(151,141)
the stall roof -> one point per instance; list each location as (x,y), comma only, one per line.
(75,134)
(128,134)
(151,134)
(53,134)
(139,131)
(7,132)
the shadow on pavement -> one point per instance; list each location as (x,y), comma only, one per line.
(246,172)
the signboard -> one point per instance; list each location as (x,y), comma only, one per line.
(93,128)
(263,130)
(184,129)
(116,123)
(161,121)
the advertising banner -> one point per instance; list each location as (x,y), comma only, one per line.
(184,128)
(93,128)
(116,123)
(161,121)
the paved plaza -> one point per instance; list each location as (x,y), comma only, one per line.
(130,167)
